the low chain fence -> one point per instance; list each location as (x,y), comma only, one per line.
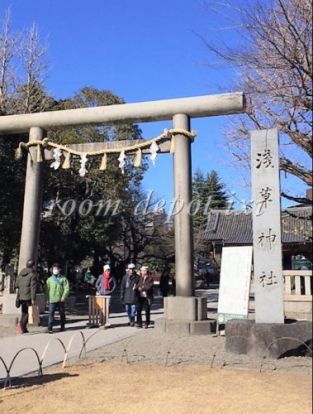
(176,351)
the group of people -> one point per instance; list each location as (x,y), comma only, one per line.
(136,293)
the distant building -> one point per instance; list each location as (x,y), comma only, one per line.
(234,228)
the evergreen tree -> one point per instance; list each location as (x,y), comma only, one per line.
(210,193)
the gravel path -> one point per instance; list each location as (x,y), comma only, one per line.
(153,347)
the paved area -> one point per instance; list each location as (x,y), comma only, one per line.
(38,340)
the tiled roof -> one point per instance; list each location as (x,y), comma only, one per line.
(235,227)
(296,224)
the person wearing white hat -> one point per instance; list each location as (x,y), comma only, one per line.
(128,292)
(145,296)
(106,283)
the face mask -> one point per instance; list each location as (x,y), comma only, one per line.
(55,271)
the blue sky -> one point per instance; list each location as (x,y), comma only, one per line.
(141,50)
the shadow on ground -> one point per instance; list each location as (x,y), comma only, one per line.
(302,350)
(17,382)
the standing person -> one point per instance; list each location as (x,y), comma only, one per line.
(173,279)
(106,283)
(26,284)
(128,292)
(11,276)
(212,270)
(145,296)
(57,290)
(164,283)
(89,277)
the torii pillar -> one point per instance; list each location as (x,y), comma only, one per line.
(183,220)
(32,203)
(184,313)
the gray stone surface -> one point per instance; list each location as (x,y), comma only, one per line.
(185,308)
(196,106)
(267,247)
(185,328)
(202,308)
(8,304)
(268,340)
(183,220)
(237,334)
(180,308)
(177,327)
(8,321)
(204,327)
(32,203)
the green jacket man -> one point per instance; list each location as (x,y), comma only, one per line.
(57,290)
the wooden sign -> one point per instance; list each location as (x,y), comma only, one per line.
(233,299)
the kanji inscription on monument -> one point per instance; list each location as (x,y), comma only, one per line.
(267,249)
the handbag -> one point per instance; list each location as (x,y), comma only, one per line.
(17,301)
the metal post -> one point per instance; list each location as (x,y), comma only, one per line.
(183,220)
(32,203)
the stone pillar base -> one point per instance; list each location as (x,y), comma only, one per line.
(185,316)
(9,308)
(185,328)
(185,308)
(8,304)
(271,340)
(8,321)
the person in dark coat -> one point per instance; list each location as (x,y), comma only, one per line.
(164,283)
(26,285)
(145,296)
(129,294)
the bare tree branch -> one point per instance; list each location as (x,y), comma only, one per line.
(274,56)
(296,170)
(7,45)
(31,97)
(299,200)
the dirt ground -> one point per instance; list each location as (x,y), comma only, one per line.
(116,388)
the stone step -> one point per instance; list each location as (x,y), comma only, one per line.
(8,321)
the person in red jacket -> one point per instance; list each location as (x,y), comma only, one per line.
(144,290)
(106,284)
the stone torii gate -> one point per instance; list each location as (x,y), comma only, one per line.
(184,308)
